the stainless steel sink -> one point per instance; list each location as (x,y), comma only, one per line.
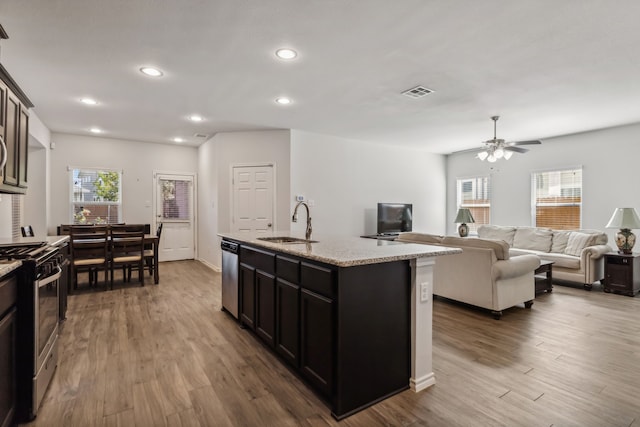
(286,240)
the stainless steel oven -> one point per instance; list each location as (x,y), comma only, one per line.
(38,318)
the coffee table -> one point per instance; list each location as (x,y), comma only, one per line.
(543,284)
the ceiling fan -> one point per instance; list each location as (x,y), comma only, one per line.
(497,148)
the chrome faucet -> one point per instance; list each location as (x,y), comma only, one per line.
(294,218)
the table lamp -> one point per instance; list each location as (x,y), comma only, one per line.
(464,216)
(625,219)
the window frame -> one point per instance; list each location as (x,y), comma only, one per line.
(460,204)
(534,195)
(73,205)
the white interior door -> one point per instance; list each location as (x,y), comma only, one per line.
(174,209)
(252,199)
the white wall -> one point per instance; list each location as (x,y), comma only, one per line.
(138,160)
(37,200)
(609,179)
(346,179)
(216,158)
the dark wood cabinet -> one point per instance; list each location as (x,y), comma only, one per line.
(8,342)
(622,273)
(14,129)
(316,325)
(247,295)
(257,292)
(288,309)
(345,330)
(288,321)
(266,307)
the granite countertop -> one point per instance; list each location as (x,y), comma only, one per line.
(51,240)
(7,267)
(344,251)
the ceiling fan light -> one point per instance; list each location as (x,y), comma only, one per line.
(498,153)
(483,155)
(491,158)
(508,154)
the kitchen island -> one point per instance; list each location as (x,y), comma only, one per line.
(352,316)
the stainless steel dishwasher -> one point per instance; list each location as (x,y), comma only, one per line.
(230,277)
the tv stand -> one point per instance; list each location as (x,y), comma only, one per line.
(381,236)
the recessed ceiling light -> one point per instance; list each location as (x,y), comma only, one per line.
(178,140)
(283,100)
(89,101)
(150,71)
(196,118)
(95,130)
(286,53)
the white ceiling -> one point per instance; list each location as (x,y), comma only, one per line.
(547,67)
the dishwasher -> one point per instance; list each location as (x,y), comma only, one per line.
(230,277)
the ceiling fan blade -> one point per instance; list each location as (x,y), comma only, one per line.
(516,149)
(535,142)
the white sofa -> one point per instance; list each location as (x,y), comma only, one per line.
(577,254)
(483,275)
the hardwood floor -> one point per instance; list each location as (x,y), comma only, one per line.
(166,355)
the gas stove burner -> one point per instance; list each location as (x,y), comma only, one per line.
(21,250)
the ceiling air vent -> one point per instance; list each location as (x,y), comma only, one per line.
(417,92)
(201,135)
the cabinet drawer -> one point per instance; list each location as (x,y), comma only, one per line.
(8,294)
(317,279)
(614,260)
(260,260)
(288,269)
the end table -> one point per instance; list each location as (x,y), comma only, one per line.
(622,273)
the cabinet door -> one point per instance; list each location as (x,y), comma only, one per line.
(316,338)
(3,107)
(7,368)
(266,307)
(11,139)
(247,296)
(288,321)
(23,147)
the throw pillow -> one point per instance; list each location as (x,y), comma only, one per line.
(496,232)
(577,242)
(560,240)
(532,238)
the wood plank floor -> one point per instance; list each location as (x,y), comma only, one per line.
(166,355)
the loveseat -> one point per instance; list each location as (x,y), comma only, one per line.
(483,275)
(577,254)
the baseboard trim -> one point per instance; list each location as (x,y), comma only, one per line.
(420,384)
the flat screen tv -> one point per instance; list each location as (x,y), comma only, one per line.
(394,218)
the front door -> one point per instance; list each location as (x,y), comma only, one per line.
(174,208)
(252,199)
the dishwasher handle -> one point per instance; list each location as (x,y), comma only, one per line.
(229,246)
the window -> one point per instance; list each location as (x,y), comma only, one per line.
(96,196)
(557,199)
(475,193)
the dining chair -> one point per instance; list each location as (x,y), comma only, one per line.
(89,252)
(127,249)
(149,252)
(27,231)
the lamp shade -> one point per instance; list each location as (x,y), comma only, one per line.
(464,216)
(624,218)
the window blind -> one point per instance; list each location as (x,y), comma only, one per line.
(557,199)
(474,193)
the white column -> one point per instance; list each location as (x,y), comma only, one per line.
(422,375)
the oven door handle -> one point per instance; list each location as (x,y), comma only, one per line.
(51,278)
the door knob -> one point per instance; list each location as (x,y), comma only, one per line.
(269,225)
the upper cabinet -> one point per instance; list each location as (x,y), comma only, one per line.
(14,131)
